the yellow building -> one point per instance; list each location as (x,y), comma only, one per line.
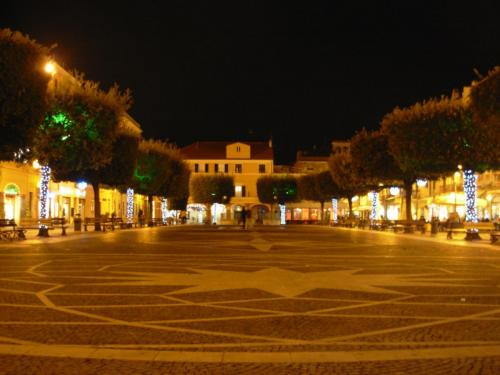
(245,161)
(430,199)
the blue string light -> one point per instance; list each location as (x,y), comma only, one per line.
(282,214)
(44,192)
(334,209)
(470,190)
(130,205)
(373,214)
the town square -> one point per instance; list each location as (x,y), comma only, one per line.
(190,299)
(249,188)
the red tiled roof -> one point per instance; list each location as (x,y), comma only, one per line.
(217,150)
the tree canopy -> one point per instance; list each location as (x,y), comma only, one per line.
(23,89)
(485,106)
(157,168)
(348,183)
(372,162)
(277,189)
(212,189)
(78,132)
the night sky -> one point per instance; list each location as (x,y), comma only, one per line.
(302,72)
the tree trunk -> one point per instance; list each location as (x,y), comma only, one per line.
(208,220)
(409,218)
(321,216)
(408,190)
(150,210)
(351,214)
(97,206)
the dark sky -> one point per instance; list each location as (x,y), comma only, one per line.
(304,72)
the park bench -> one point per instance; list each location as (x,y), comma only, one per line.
(9,230)
(58,222)
(49,224)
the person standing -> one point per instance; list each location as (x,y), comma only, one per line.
(243,218)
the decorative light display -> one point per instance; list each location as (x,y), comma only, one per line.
(394,190)
(334,209)
(373,214)
(421,182)
(282,214)
(44,191)
(164,210)
(130,205)
(470,190)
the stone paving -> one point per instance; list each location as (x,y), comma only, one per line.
(302,299)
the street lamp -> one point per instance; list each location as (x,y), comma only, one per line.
(50,68)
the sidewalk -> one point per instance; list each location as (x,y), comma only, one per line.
(55,235)
(458,240)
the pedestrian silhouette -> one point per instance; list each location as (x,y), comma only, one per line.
(243,218)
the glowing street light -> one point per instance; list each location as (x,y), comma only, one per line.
(50,68)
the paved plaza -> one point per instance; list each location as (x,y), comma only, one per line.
(277,300)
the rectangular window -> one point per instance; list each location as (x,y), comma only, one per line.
(206,168)
(262,168)
(237,191)
(216,168)
(243,191)
(196,168)
(226,168)
(238,168)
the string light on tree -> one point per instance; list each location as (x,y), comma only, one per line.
(164,211)
(373,214)
(470,190)
(334,209)
(130,205)
(44,199)
(282,214)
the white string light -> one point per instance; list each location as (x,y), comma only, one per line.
(130,205)
(373,214)
(334,209)
(44,192)
(282,214)
(470,190)
(164,210)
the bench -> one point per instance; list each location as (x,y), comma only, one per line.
(9,230)
(58,222)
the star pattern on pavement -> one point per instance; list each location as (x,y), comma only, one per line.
(277,281)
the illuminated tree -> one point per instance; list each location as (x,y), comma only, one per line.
(426,139)
(23,91)
(373,164)
(278,189)
(159,171)
(78,133)
(318,187)
(347,182)
(208,190)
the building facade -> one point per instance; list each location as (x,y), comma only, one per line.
(246,162)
